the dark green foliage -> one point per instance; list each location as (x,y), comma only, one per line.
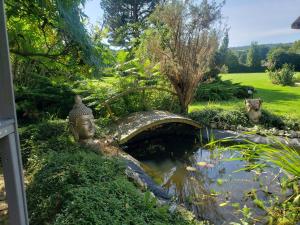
(42,97)
(228,118)
(220,117)
(223,50)
(253,59)
(256,57)
(235,66)
(283,76)
(44,138)
(295,48)
(95,93)
(127,19)
(219,59)
(50,30)
(62,173)
(280,56)
(221,90)
(71,184)
(270,120)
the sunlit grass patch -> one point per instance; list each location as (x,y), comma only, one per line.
(281,100)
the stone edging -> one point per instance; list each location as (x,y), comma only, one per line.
(240,136)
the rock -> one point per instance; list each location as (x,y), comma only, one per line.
(213,125)
(274,131)
(226,127)
(293,134)
(135,178)
(173,208)
(240,127)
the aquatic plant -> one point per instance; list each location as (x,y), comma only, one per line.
(259,156)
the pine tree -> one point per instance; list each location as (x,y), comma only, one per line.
(126,19)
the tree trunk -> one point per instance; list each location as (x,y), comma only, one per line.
(183,104)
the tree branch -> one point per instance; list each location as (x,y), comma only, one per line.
(26,54)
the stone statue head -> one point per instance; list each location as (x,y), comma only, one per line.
(253,108)
(81,121)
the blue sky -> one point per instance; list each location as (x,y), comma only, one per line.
(264,21)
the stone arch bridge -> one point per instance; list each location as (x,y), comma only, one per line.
(136,123)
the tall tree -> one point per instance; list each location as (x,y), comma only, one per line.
(253,56)
(295,48)
(126,19)
(184,41)
(223,50)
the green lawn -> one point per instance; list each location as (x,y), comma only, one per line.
(277,99)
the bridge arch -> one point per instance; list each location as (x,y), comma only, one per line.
(139,122)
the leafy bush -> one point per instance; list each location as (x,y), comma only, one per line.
(297,78)
(270,120)
(220,117)
(283,76)
(132,97)
(280,56)
(70,184)
(43,96)
(221,90)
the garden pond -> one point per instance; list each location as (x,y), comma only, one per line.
(209,182)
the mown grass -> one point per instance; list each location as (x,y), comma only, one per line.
(280,100)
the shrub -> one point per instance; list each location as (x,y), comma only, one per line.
(227,118)
(270,120)
(222,118)
(221,90)
(283,76)
(42,97)
(43,138)
(95,92)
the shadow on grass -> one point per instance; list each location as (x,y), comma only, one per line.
(276,95)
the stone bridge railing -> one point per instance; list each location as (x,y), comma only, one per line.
(136,123)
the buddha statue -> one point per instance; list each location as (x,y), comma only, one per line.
(81,121)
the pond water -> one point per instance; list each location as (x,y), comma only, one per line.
(202,180)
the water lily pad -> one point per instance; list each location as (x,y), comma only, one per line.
(189,168)
(219,181)
(235,205)
(202,163)
(223,204)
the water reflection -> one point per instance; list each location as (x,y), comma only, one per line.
(213,188)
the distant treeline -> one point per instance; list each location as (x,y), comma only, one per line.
(256,58)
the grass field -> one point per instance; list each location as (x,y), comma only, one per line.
(277,99)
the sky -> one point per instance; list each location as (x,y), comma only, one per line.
(263,21)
